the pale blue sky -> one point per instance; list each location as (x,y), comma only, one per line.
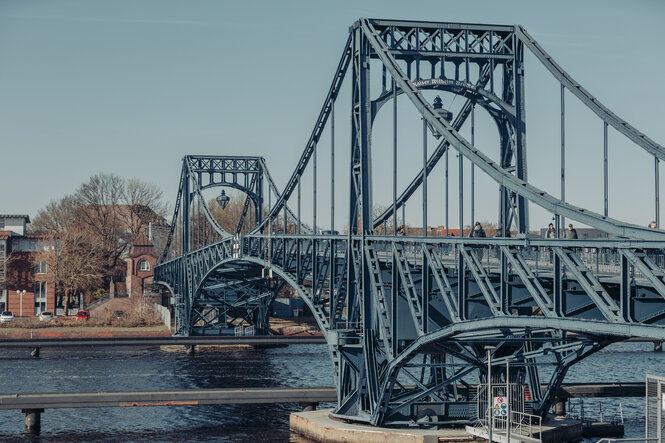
(130,86)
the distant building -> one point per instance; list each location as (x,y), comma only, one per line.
(27,280)
(433,231)
(27,285)
(288,307)
(141,261)
(142,254)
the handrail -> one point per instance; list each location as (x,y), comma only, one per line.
(610,440)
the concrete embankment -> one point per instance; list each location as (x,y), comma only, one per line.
(319,426)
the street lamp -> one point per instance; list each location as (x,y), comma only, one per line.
(21,294)
(446,114)
(223,199)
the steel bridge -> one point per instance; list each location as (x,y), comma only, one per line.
(409,319)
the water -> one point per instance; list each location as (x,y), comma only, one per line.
(622,362)
(293,366)
(141,369)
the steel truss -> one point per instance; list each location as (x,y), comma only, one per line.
(407,318)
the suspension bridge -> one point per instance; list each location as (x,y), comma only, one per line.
(410,319)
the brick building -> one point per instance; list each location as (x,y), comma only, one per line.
(141,261)
(27,282)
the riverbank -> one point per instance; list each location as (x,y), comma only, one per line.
(295,326)
(279,326)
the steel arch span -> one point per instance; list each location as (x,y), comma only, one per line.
(407,317)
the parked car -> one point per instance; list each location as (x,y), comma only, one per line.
(6,317)
(46,316)
(82,314)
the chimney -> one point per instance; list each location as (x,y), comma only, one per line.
(150,231)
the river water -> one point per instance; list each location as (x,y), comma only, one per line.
(292,366)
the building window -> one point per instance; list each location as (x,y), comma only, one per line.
(144,265)
(40,267)
(40,297)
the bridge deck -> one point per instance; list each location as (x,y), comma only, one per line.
(39,400)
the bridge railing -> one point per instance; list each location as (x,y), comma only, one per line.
(602,261)
(602,257)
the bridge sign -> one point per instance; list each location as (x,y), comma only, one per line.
(500,408)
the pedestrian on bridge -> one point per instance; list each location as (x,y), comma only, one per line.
(478,232)
(551,232)
(571,233)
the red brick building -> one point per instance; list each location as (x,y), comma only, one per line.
(140,261)
(27,282)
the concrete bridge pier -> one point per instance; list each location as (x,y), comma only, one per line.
(33,420)
(560,406)
(309,406)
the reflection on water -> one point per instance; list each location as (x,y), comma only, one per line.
(293,366)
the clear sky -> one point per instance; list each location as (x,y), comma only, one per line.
(130,86)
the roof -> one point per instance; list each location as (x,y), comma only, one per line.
(23,216)
(142,246)
(142,240)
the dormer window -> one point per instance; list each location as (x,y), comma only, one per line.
(143,265)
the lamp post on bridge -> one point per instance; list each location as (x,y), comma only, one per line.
(223,199)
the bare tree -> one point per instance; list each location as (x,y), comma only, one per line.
(7,279)
(99,213)
(116,212)
(145,205)
(94,228)
(77,265)
(383,229)
(76,260)
(229,216)
(56,217)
